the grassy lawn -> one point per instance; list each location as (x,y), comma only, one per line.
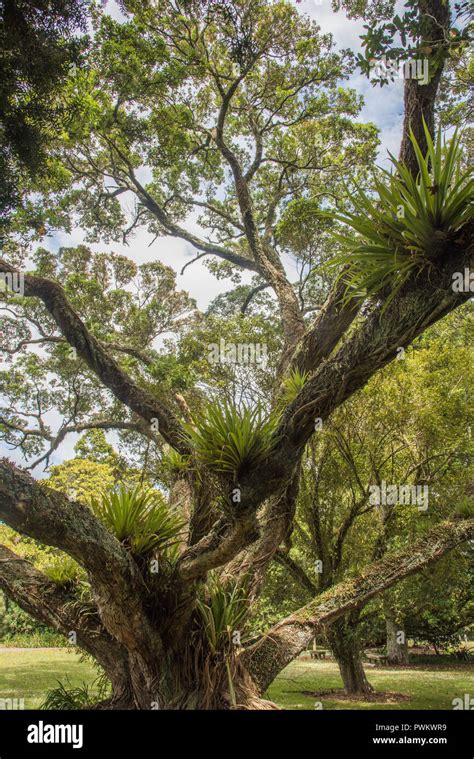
(30,673)
(427,687)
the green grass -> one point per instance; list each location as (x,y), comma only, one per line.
(28,674)
(38,639)
(427,687)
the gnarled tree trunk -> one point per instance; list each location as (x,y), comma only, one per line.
(345,646)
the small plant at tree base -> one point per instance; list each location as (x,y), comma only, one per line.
(67,698)
(232,439)
(221,614)
(403,229)
(139,518)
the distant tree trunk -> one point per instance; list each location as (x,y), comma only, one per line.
(397,648)
(346,650)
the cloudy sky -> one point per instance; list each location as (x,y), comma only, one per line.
(384,107)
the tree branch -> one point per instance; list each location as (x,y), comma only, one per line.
(283,642)
(420,99)
(51,604)
(98,360)
(426,299)
(284,559)
(48,516)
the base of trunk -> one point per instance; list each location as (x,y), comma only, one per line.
(345,648)
(219,682)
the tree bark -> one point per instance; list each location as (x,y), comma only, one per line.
(345,647)
(419,99)
(397,647)
(56,607)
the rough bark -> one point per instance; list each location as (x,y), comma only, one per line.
(343,641)
(331,323)
(419,99)
(55,606)
(47,515)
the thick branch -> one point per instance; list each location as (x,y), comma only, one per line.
(50,604)
(329,326)
(98,360)
(420,98)
(48,516)
(428,298)
(266,658)
(223,542)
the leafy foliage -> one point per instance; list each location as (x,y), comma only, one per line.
(66,698)
(139,518)
(293,384)
(223,612)
(231,439)
(39,44)
(174,460)
(14,621)
(62,570)
(401,230)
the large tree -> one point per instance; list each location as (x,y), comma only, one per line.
(235,109)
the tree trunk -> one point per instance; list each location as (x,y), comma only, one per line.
(397,648)
(192,680)
(345,647)
(144,629)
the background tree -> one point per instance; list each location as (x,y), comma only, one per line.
(372,439)
(40,47)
